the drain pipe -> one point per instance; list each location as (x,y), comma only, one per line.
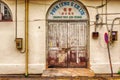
(16,19)
(117,18)
(26,38)
(108,47)
(113,23)
(107,40)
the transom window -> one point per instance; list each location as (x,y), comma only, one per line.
(5,13)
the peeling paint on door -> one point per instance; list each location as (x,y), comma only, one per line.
(67,44)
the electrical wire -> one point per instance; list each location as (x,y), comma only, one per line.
(100,6)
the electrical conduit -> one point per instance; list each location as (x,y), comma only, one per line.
(26,37)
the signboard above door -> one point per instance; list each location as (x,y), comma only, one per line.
(67,10)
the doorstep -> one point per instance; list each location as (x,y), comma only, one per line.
(68,72)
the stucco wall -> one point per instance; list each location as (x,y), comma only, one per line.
(99,61)
(13,62)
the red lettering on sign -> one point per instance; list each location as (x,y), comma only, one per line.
(67,11)
(72,13)
(62,13)
(70,9)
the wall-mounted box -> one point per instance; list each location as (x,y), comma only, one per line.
(95,35)
(114,35)
(19,43)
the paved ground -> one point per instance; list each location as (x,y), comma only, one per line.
(38,77)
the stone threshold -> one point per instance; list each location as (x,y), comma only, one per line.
(68,72)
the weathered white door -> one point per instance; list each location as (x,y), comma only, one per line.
(67,44)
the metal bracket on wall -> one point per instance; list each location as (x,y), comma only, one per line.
(19,43)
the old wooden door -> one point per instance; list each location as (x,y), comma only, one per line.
(67,43)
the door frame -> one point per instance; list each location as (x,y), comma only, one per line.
(88,31)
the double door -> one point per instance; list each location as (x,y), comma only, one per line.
(67,44)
